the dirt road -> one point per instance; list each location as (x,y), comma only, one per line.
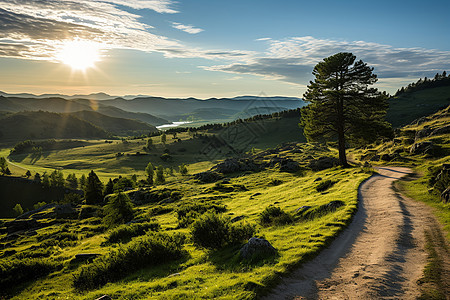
(379,256)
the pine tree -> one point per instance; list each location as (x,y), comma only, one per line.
(3,165)
(37,177)
(93,192)
(82,181)
(163,138)
(119,210)
(28,174)
(45,181)
(342,105)
(109,188)
(183,169)
(150,172)
(160,179)
(18,209)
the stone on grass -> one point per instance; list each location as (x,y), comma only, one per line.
(257,248)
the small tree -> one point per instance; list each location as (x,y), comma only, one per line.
(119,210)
(160,179)
(82,181)
(93,192)
(183,169)
(163,138)
(109,188)
(3,165)
(341,104)
(45,181)
(37,177)
(28,174)
(149,143)
(150,172)
(72,181)
(18,209)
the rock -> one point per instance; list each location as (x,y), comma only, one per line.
(104,297)
(318,179)
(376,157)
(302,209)
(425,147)
(85,256)
(35,211)
(257,248)
(238,218)
(233,165)
(440,131)
(19,225)
(208,176)
(335,204)
(445,195)
(323,163)
(88,211)
(284,164)
(65,211)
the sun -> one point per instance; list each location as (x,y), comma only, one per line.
(80,55)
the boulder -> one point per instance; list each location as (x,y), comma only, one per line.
(104,297)
(284,164)
(302,209)
(208,176)
(445,195)
(35,211)
(323,163)
(233,165)
(257,248)
(65,211)
(318,179)
(425,147)
(335,204)
(19,225)
(88,211)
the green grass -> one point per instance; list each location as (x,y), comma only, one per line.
(220,273)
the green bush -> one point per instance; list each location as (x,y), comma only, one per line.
(17,271)
(188,213)
(213,231)
(151,250)
(325,185)
(274,215)
(125,232)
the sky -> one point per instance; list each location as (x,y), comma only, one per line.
(213,48)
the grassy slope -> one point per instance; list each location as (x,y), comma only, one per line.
(411,106)
(218,274)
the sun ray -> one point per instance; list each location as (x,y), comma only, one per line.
(80,55)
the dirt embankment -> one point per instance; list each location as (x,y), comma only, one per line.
(381,255)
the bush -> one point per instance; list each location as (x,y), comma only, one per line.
(15,271)
(325,185)
(125,232)
(189,212)
(213,231)
(147,251)
(274,215)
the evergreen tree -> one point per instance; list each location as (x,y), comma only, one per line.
(37,177)
(149,143)
(342,105)
(163,138)
(119,210)
(183,169)
(28,174)
(18,209)
(82,181)
(160,179)
(72,181)
(150,172)
(3,165)
(45,181)
(93,192)
(109,188)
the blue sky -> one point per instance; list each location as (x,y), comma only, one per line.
(215,48)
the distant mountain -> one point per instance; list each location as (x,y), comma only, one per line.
(93,96)
(46,125)
(118,126)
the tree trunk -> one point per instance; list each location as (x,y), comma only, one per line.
(342,156)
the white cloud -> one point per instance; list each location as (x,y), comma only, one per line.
(186,28)
(263,39)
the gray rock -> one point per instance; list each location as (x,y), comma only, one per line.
(284,164)
(256,248)
(104,297)
(238,218)
(335,204)
(425,147)
(255,194)
(302,209)
(323,163)
(233,165)
(208,176)
(88,212)
(19,225)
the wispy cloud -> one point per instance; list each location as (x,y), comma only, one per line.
(292,59)
(186,28)
(263,39)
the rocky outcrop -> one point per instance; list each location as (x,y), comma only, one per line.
(426,147)
(323,163)
(21,225)
(233,165)
(208,176)
(284,164)
(257,248)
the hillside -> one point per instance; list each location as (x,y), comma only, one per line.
(46,125)
(407,107)
(118,126)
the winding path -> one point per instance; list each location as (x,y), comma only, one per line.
(379,256)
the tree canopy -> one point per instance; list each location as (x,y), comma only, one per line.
(93,191)
(342,106)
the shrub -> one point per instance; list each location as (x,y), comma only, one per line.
(312,213)
(325,185)
(213,231)
(274,215)
(119,210)
(147,251)
(189,212)
(17,271)
(160,210)
(125,232)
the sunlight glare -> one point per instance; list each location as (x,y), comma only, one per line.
(80,55)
